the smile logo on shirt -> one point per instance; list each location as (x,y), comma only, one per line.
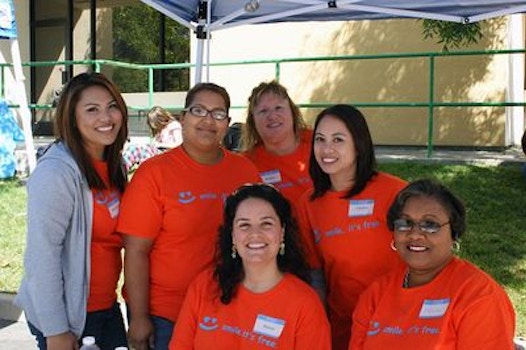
(186,197)
(103,198)
(208,324)
(374,328)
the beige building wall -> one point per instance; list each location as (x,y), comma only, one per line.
(54,50)
(457,79)
(51,41)
(104,37)
(82,35)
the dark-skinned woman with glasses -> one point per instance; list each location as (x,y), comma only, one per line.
(343,216)
(171,212)
(257,296)
(435,300)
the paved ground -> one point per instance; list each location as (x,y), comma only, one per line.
(452,156)
(14,334)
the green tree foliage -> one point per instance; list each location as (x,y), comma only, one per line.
(452,34)
(137,39)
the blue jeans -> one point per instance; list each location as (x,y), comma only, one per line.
(163,329)
(107,326)
(41,340)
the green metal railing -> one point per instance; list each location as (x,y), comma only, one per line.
(431,104)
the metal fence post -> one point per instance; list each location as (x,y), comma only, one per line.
(431,105)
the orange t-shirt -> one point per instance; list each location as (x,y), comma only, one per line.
(106,245)
(289,316)
(178,203)
(461,308)
(289,173)
(352,239)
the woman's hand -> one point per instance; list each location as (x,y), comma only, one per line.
(141,333)
(64,341)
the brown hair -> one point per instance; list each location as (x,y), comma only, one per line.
(250,137)
(66,130)
(158,118)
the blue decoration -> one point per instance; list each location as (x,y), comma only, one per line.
(7,20)
(10,134)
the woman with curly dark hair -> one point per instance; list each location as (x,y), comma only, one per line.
(258,294)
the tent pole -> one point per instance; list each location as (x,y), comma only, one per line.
(208,35)
(198,61)
(201,33)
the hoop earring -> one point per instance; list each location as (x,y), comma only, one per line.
(393,247)
(282,249)
(234,252)
(455,247)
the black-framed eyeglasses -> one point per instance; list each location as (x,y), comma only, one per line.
(426,226)
(200,111)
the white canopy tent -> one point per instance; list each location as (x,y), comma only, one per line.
(205,16)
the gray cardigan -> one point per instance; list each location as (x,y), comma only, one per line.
(55,286)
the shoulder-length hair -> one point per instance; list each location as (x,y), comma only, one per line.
(67,131)
(158,119)
(229,271)
(250,137)
(365,159)
(434,190)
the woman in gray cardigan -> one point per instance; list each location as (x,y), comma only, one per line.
(73,254)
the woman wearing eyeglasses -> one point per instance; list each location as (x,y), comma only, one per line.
(436,300)
(343,216)
(171,212)
(257,296)
(277,140)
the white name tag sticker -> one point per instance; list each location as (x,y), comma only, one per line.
(434,308)
(269,326)
(361,207)
(271,176)
(113,208)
